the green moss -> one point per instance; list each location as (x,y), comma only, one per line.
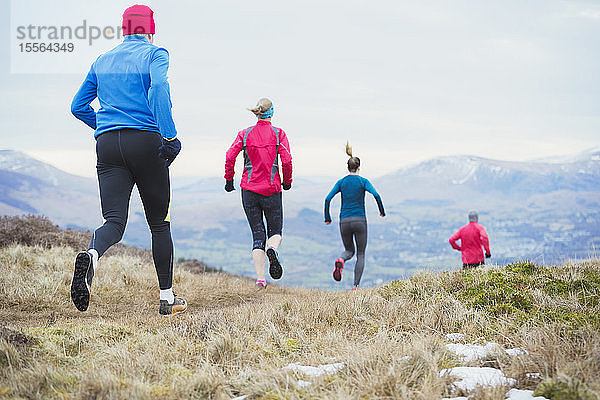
(570,318)
(63,340)
(510,291)
(559,390)
(526,268)
(292,345)
(158,391)
(586,290)
(497,292)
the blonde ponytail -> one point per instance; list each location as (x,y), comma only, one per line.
(353,162)
(261,106)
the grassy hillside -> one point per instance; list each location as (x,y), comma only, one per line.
(235,340)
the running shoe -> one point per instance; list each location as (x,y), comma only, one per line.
(261,284)
(178,306)
(275,270)
(82,280)
(339,266)
(355,288)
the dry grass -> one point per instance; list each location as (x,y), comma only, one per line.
(235,339)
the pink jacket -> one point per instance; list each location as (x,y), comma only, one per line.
(472,237)
(262,144)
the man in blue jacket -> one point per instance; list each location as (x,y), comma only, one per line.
(135,144)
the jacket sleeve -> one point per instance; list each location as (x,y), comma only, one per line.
(80,106)
(330,196)
(485,240)
(285,153)
(159,95)
(369,188)
(231,155)
(453,240)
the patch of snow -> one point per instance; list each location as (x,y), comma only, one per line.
(555,226)
(328,369)
(517,351)
(471,172)
(472,352)
(456,398)
(516,394)
(455,337)
(534,375)
(404,358)
(240,397)
(471,377)
(302,383)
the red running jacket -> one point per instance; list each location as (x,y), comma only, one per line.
(472,237)
(263,145)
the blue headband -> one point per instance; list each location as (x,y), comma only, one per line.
(267,114)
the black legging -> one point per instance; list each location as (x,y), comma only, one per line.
(354,228)
(129,157)
(255,205)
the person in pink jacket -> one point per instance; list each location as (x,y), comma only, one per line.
(473,238)
(263,145)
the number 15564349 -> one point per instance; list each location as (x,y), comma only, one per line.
(46,47)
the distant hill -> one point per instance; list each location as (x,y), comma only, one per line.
(461,177)
(546,210)
(31,186)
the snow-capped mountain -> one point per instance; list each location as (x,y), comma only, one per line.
(20,163)
(31,186)
(455,177)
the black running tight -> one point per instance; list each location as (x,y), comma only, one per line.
(256,206)
(129,157)
(354,229)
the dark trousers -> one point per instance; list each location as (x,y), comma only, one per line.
(129,157)
(354,229)
(473,265)
(256,206)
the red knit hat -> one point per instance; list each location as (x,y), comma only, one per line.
(138,19)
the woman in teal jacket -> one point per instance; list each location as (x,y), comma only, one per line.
(353,219)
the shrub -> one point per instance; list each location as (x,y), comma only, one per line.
(34,230)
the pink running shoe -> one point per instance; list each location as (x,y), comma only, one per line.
(339,266)
(260,284)
(355,288)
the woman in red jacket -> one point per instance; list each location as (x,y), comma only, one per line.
(263,145)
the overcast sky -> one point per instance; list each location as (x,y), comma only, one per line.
(402,81)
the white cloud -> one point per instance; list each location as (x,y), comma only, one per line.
(592,13)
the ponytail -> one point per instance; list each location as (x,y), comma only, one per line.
(353,162)
(262,106)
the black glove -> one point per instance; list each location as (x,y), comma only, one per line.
(169,150)
(287,187)
(488,255)
(229,186)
